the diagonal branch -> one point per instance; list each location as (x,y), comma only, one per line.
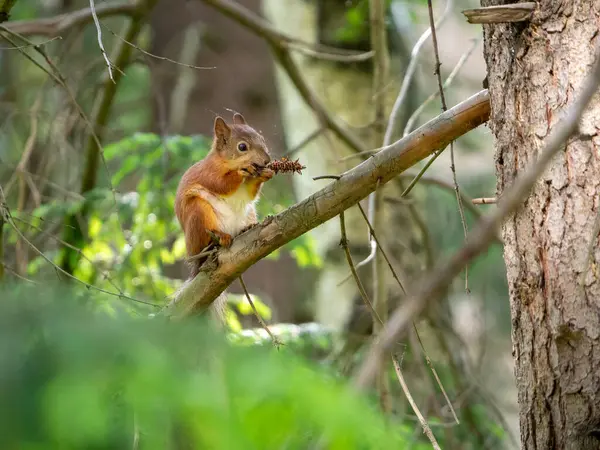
(54,26)
(325,204)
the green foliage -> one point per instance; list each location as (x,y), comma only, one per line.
(130,245)
(72,377)
(356,23)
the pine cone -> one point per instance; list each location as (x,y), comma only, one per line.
(285,165)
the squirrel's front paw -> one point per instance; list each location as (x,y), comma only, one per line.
(223,239)
(249,171)
(266,174)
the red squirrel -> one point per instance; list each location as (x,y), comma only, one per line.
(217,195)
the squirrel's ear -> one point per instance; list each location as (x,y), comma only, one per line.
(221,129)
(238,119)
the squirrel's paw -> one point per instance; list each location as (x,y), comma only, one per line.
(266,174)
(249,171)
(223,239)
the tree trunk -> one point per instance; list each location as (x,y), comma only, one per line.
(535,71)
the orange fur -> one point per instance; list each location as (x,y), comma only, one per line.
(214,174)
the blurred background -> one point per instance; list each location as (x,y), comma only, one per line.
(90,160)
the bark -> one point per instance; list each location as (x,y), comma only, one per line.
(551,251)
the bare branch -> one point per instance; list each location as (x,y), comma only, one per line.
(152,55)
(410,71)
(275,341)
(54,26)
(100,43)
(484,201)
(438,74)
(413,405)
(517,12)
(459,65)
(325,204)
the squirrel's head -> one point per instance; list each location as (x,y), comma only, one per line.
(239,143)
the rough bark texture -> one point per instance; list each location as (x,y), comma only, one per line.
(535,71)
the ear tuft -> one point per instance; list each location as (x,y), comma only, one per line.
(238,119)
(221,129)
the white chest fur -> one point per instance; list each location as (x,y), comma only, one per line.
(234,212)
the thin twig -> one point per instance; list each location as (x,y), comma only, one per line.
(377,18)
(435,375)
(58,187)
(12,269)
(100,44)
(418,176)
(21,47)
(415,408)
(104,274)
(57,25)
(202,254)
(446,186)
(481,236)
(152,55)
(395,275)
(459,65)
(326,177)
(438,74)
(304,49)
(383,252)
(359,285)
(410,71)
(276,341)
(485,201)
(377,319)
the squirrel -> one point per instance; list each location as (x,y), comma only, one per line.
(216,196)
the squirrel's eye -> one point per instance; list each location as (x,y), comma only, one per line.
(242,146)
